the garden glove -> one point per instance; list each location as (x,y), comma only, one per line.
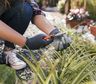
(60,40)
(37,42)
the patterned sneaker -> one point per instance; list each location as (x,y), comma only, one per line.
(13,61)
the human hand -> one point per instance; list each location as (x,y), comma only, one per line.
(37,42)
(61,41)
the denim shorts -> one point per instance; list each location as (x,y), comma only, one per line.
(18,17)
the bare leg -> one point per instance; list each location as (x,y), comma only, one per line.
(8,34)
(43,24)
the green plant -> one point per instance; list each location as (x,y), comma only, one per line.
(7,75)
(60,6)
(75,65)
(90,5)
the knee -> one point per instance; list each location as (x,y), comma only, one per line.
(23,9)
(27,8)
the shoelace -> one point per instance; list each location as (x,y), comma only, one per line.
(11,57)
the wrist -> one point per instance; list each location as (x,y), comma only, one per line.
(54,32)
(27,43)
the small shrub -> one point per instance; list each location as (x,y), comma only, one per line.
(7,75)
(60,6)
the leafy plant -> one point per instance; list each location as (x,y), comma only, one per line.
(7,75)
(89,5)
(75,65)
(60,6)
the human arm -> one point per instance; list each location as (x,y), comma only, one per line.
(44,25)
(60,40)
(8,34)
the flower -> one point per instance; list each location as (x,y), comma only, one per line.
(77,13)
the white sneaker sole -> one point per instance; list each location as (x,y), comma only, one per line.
(18,67)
